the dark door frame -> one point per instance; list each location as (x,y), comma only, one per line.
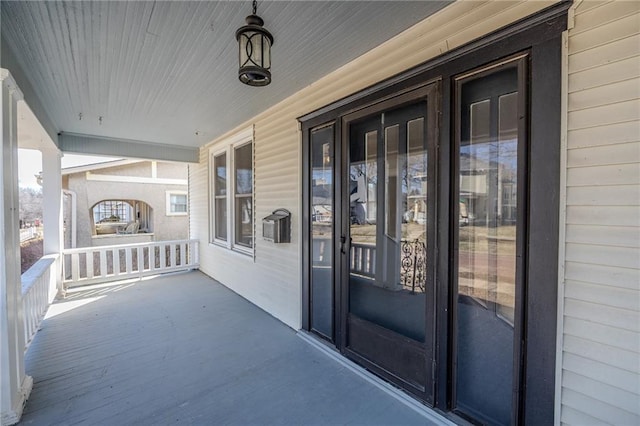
(541,36)
(518,62)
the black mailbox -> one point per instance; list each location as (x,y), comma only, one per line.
(277,226)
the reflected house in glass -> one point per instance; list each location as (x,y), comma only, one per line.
(322,200)
(475,175)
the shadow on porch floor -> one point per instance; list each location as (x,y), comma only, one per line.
(183,349)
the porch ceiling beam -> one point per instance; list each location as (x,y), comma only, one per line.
(115,147)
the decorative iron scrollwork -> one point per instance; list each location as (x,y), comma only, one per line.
(413,265)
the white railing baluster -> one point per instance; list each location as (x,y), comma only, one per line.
(128,256)
(116,261)
(75,266)
(140,253)
(172,251)
(152,258)
(89,274)
(196,251)
(183,254)
(103,263)
(163,256)
(145,264)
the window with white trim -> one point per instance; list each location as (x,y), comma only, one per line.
(243,195)
(177,203)
(231,193)
(220,196)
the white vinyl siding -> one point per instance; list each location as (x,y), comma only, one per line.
(273,280)
(600,377)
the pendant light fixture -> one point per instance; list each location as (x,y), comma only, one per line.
(254,43)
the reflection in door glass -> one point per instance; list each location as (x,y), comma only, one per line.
(388,262)
(507,197)
(322,231)
(487,193)
(414,209)
(391,160)
(363,207)
(371,175)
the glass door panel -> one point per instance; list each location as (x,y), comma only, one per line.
(387,269)
(414,210)
(363,208)
(322,220)
(488,159)
(388,229)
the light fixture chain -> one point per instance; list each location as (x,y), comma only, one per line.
(255,7)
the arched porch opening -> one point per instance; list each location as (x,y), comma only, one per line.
(121,217)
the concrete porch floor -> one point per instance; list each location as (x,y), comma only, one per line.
(183,349)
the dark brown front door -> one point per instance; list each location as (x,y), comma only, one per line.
(387,256)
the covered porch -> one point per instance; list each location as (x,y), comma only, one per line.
(183,349)
(499,139)
(119,356)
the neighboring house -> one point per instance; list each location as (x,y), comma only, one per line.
(125,201)
(522,118)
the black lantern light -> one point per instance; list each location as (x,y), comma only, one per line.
(255,44)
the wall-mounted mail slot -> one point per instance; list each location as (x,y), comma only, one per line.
(277,226)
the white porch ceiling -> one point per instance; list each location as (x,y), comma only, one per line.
(163,71)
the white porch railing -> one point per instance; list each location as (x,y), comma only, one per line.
(28,233)
(89,265)
(363,259)
(412,267)
(39,288)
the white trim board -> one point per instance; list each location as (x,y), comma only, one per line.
(97,166)
(115,147)
(135,179)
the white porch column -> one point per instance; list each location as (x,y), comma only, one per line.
(15,385)
(52,207)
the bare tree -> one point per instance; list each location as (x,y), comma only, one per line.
(30,204)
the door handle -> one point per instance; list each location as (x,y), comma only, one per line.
(343,242)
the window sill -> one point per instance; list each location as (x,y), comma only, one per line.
(243,251)
(222,245)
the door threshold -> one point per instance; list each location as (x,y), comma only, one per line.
(428,413)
